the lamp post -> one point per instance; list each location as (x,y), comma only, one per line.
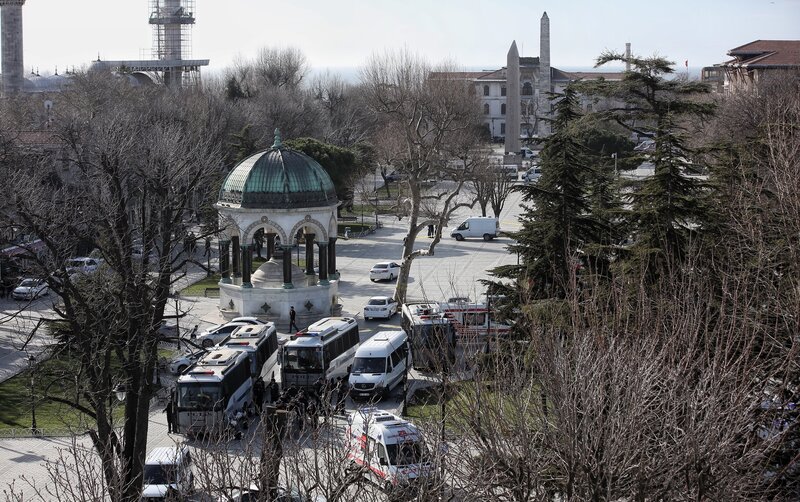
(177,296)
(614,156)
(297,245)
(31,361)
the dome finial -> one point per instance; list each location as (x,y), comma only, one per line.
(277,143)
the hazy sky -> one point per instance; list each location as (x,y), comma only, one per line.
(473,33)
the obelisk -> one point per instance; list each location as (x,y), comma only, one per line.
(512,100)
(544,75)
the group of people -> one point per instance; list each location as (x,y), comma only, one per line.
(325,398)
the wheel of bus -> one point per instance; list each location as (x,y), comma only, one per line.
(487,237)
(459,237)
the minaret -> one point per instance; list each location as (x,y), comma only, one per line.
(544,74)
(11,28)
(512,100)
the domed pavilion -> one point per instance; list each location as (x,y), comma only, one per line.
(289,197)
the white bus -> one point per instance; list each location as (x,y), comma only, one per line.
(433,339)
(213,391)
(379,365)
(324,350)
(261,342)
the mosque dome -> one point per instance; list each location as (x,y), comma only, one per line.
(278,178)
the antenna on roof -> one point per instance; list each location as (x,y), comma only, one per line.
(56,70)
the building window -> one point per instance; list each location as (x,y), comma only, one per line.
(503,128)
(503,91)
(527,89)
(485,90)
(486,109)
(503,109)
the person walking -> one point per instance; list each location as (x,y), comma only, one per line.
(292,317)
(170,411)
(431,232)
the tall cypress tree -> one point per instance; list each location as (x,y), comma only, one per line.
(665,206)
(556,221)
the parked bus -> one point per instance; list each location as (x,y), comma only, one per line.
(212,392)
(324,350)
(261,342)
(431,333)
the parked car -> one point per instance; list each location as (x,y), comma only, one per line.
(30,289)
(384,270)
(219,333)
(183,361)
(380,306)
(527,153)
(395,176)
(532,175)
(83,265)
(168,473)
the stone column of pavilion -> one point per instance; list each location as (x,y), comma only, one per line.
(512,100)
(11,29)
(309,254)
(332,258)
(545,85)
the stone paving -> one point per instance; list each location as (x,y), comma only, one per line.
(455,270)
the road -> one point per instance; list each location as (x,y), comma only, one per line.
(454,270)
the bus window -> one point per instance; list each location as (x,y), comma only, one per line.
(198,396)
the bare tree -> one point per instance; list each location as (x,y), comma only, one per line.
(420,111)
(142,159)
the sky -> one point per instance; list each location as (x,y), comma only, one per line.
(344,34)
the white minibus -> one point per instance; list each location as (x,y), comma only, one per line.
(379,365)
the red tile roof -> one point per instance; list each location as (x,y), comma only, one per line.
(766,53)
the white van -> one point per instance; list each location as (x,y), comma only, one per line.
(379,365)
(168,473)
(477,226)
(390,448)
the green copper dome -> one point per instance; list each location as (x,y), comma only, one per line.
(278,178)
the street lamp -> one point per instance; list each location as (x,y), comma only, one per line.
(31,361)
(177,296)
(121,392)
(614,156)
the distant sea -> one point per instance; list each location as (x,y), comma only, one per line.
(351,74)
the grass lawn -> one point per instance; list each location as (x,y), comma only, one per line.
(199,287)
(15,396)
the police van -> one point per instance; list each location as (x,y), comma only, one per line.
(379,365)
(391,448)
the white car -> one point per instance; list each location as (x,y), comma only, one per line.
(183,361)
(30,289)
(218,334)
(385,270)
(532,175)
(380,306)
(82,265)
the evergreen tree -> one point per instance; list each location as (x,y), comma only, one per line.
(666,206)
(556,222)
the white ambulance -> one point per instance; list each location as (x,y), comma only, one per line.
(391,448)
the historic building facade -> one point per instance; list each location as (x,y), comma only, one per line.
(536,79)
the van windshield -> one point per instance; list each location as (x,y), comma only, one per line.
(369,365)
(407,453)
(159,474)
